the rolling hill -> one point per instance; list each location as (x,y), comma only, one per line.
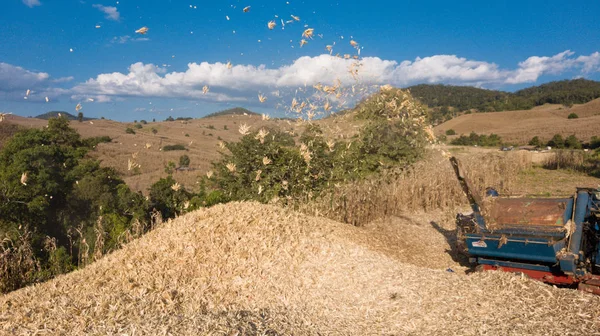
(54,114)
(520,126)
(446,101)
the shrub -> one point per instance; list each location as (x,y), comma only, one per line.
(138,126)
(475,139)
(535,141)
(573,116)
(154,130)
(187,135)
(170,119)
(450,132)
(168,148)
(166,199)
(572,142)
(129,130)
(184,161)
(225,127)
(143,122)
(210,127)
(557,141)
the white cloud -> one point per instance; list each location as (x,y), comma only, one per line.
(243,82)
(535,66)
(32,3)
(590,63)
(16,78)
(111,13)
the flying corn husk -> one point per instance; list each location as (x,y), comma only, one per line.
(24,178)
(209,174)
(148,145)
(327,106)
(262,98)
(303,42)
(266,160)
(257,178)
(244,129)
(246,9)
(265,117)
(353,43)
(296,18)
(260,189)
(3,116)
(229,66)
(205,89)
(271,24)
(27,93)
(78,107)
(308,33)
(329,48)
(231,167)
(47,99)
(176,186)
(142,31)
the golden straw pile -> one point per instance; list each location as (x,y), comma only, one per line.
(252,269)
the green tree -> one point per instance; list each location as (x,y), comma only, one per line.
(535,141)
(450,132)
(80,116)
(184,161)
(168,197)
(573,116)
(557,141)
(572,142)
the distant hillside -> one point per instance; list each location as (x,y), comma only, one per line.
(519,127)
(447,100)
(232,111)
(54,114)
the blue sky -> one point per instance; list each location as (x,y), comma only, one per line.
(501,45)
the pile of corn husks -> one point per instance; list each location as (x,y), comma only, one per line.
(252,269)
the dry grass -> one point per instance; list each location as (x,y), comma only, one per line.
(521,126)
(253,269)
(428,185)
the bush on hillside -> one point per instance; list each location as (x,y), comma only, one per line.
(168,148)
(573,116)
(475,139)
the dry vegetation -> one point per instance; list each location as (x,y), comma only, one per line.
(429,185)
(521,126)
(252,269)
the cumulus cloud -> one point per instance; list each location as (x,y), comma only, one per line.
(243,82)
(32,3)
(590,63)
(15,81)
(111,13)
(16,78)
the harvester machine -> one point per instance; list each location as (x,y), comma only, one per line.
(555,240)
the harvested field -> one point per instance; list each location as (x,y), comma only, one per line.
(246,269)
